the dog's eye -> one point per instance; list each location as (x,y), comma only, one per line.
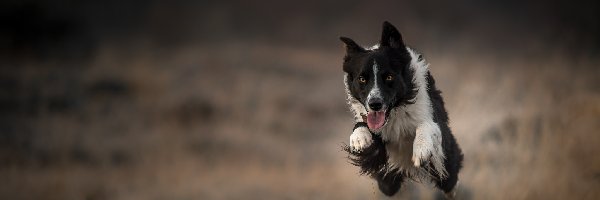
(362,79)
(389,78)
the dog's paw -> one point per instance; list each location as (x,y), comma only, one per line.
(360,139)
(421,151)
(427,143)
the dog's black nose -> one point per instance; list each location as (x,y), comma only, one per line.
(375,104)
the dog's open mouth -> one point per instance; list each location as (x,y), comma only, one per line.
(376,120)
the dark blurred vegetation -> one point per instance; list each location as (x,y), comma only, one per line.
(244,99)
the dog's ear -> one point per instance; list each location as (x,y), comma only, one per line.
(351,46)
(390,37)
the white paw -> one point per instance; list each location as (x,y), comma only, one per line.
(428,140)
(360,138)
(421,150)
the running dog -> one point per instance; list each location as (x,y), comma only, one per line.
(401,129)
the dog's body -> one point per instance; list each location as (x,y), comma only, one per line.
(401,128)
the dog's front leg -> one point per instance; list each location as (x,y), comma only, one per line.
(428,144)
(361,137)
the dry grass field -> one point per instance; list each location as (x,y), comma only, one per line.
(257,111)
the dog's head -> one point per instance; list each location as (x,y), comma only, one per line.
(380,78)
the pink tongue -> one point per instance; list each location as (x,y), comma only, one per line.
(375,120)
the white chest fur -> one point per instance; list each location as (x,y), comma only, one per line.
(399,135)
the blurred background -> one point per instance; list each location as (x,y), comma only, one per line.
(245,100)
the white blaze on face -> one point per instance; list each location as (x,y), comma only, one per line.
(375,119)
(375,91)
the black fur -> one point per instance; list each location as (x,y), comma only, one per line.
(454,156)
(389,182)
(373,160)
(359,124)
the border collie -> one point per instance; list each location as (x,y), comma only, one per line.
(401,129)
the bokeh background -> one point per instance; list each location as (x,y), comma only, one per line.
(244,99)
